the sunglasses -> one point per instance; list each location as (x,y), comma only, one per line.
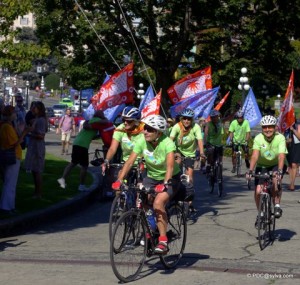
(149,129)
(268,127)
(127,121)
(187,118)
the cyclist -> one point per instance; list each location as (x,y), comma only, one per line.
(213,135)
(125,135)
(269,150)
(187,136)
(158,152)
(239,133)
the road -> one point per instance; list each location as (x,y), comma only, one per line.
(221,248)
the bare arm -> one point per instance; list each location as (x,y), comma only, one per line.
(127,166)
(254,158)
(170,166)
(112,149)
(281,158)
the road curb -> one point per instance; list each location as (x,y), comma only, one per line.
(18,225)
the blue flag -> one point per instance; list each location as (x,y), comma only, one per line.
(149,95)
(201,103)
(251,110)
(112,113)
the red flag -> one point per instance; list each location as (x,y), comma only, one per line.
(116,90)
(287,114)
(220,104)
(153,107)
(190,85)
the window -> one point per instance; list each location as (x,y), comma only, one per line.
(24,21)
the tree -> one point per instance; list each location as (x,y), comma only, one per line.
(95,37)
(15,55)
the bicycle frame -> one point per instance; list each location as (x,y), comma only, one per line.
(216,175)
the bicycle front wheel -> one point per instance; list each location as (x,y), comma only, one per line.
(118,207)
(176,233)
(220,180)
(212,179)
(263,221)
(272,221)
(238,165)
(128,246)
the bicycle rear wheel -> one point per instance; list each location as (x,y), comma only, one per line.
(220,180)
(263,221)
(176,233)
(118,207)
(127,252)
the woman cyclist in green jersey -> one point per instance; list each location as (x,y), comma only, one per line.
(269,151)
(158,152)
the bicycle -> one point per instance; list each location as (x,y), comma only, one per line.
(215,175)
(266,216)
(187,190)
(125,199)
(238,155)
(133,238)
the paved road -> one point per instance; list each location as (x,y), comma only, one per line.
(221,247)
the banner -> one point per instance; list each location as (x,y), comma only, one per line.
(287,113)
(190,85)
(116,90)
(251,110)
(153,107)
(201,103)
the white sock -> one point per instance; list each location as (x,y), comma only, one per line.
(277,205)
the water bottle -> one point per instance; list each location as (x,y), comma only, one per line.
(151,219)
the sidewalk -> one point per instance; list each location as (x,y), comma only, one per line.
(21,223)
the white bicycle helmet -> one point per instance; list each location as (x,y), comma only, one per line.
(187,113)
(239,114)
(268,121)
(156,122)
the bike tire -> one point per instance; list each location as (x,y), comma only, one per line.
(118,207)
(212,180)
(238,165)
(176,233)
(128,261)
(220,180)
(272,222)
(263,222)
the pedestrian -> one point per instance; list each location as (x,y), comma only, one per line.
(10,139)
(81,144)
(293,156)
(36,150)
(66,127)
(20,118)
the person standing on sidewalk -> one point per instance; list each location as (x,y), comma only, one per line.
(81,144)
(239,133)
(66,127)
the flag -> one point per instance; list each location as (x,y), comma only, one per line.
(201,103)
(90,111)
(149,95)
(251,110)
(190,85)
(220,104)
(112,113)
(116,90)
(153,107)
(287,113)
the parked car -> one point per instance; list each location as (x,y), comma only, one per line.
(49,112)
(84,105)
(59,109)
(67,101)
(54,121)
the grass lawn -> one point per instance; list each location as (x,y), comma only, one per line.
(52,193)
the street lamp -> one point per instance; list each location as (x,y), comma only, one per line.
(141,92)
(265,93)
(61,85)
(243,83)
(27,94)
